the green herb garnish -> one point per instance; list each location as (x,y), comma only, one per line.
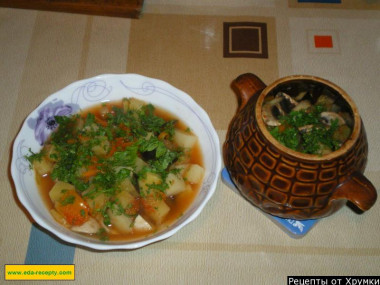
(68,200)
(32,157)
(314,140)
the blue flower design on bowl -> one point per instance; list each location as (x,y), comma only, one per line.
(46,122)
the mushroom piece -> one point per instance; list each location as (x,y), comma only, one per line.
(305,128)
(267,112)
(329,117)
(300,96)
(288,98)
(288,103)
(303,105)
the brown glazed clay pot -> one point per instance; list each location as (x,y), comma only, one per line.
(286,183)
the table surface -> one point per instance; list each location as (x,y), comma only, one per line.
(231,241)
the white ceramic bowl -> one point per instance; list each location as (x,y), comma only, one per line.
(103,88)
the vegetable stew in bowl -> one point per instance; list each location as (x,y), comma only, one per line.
(119,170)
(116,162)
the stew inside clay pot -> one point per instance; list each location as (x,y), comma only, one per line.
(292,182)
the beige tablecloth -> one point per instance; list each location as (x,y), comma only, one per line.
(231,242)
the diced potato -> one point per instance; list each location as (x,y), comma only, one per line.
(51,152)
(141,224)
(59,189)
(125,199)
(92,127)
(73,207)
(182,168)
(122,223)
(126,185)
(109,230)
(140,164)
(97,202)
(90,227)
(194,174)
(99,150)
(184,158)
(155,208)
(43,166)
(102,148)
(185,195)
(150,178)
(176,184)
(132,103)
(59,217)
(184,139)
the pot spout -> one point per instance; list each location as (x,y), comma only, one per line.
(246,85)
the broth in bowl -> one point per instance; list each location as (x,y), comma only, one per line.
(119,171)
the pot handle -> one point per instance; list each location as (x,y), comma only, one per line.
(358,190)
(246,85)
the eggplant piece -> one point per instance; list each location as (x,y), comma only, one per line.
(148,155)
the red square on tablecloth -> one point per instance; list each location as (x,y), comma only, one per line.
(323,41)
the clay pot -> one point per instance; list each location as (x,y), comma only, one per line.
(284,182)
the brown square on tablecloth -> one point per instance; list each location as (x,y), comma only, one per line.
(245,39)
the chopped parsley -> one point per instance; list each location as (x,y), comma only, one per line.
(32,157)
(314,139)
(68,200)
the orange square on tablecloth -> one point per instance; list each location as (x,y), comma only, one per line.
(323,41)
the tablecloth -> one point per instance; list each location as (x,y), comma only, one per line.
(184,43)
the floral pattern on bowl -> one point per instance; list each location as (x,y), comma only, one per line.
(45,123)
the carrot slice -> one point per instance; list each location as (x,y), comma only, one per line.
(73,208)
(146,206)
(91,171)
(83,138)
(134,207)
(101,122)
(118,144)
(163,135)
